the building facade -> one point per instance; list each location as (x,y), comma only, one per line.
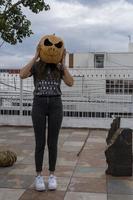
(103,88)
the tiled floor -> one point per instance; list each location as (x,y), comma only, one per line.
(79,177)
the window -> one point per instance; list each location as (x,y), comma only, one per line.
(119,86)
(99,61)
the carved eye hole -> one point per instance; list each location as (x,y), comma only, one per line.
(59,44)
(47,42)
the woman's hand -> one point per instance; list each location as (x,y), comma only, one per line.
(63,57)
(25,72)
(61,65)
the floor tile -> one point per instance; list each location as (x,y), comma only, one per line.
(63,183)
(64,162)
(31,194)
(96,140)
(22,169)
(88,185)
(89,172)
(85,196)
(10,194)
(73,143)
(120,187)
(16,181)
(119,197)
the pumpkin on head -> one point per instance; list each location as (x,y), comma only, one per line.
(51,49)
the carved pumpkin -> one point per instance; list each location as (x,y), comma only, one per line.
(51,49)
(7,158)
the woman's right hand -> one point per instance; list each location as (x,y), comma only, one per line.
(25,72)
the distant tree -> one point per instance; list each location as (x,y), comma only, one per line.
(14,26)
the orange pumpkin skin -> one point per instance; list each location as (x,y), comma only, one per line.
(51,49)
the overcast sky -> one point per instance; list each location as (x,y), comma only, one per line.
(85,25)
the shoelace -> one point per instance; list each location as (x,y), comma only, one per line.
(52,179)
(40,180)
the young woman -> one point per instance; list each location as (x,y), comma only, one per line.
(47,104)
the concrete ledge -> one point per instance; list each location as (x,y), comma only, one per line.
(72,122)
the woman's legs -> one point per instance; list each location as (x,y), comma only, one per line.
(39,125)
(54,124)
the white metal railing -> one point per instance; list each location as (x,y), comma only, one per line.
(88,103)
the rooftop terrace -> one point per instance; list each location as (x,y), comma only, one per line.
(79,177)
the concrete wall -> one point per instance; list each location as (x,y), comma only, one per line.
(119,60)
(68,122)
(84,60)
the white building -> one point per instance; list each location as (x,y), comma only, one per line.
(103,83)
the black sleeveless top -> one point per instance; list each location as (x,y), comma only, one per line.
(47,79)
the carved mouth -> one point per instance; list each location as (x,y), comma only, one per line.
(51,54)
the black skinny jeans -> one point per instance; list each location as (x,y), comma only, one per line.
(51,108)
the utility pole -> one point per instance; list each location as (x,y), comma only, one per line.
(129,37)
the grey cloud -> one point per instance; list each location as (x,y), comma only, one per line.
(98,38)
(130,1)
(91,2)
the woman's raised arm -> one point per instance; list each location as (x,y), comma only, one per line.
(25,72)
(67,77)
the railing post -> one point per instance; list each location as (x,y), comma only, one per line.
(21,97)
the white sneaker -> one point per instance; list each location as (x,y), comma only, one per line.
(52,183)
(39,183)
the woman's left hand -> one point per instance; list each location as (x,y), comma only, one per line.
(61,65)
(63,57)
